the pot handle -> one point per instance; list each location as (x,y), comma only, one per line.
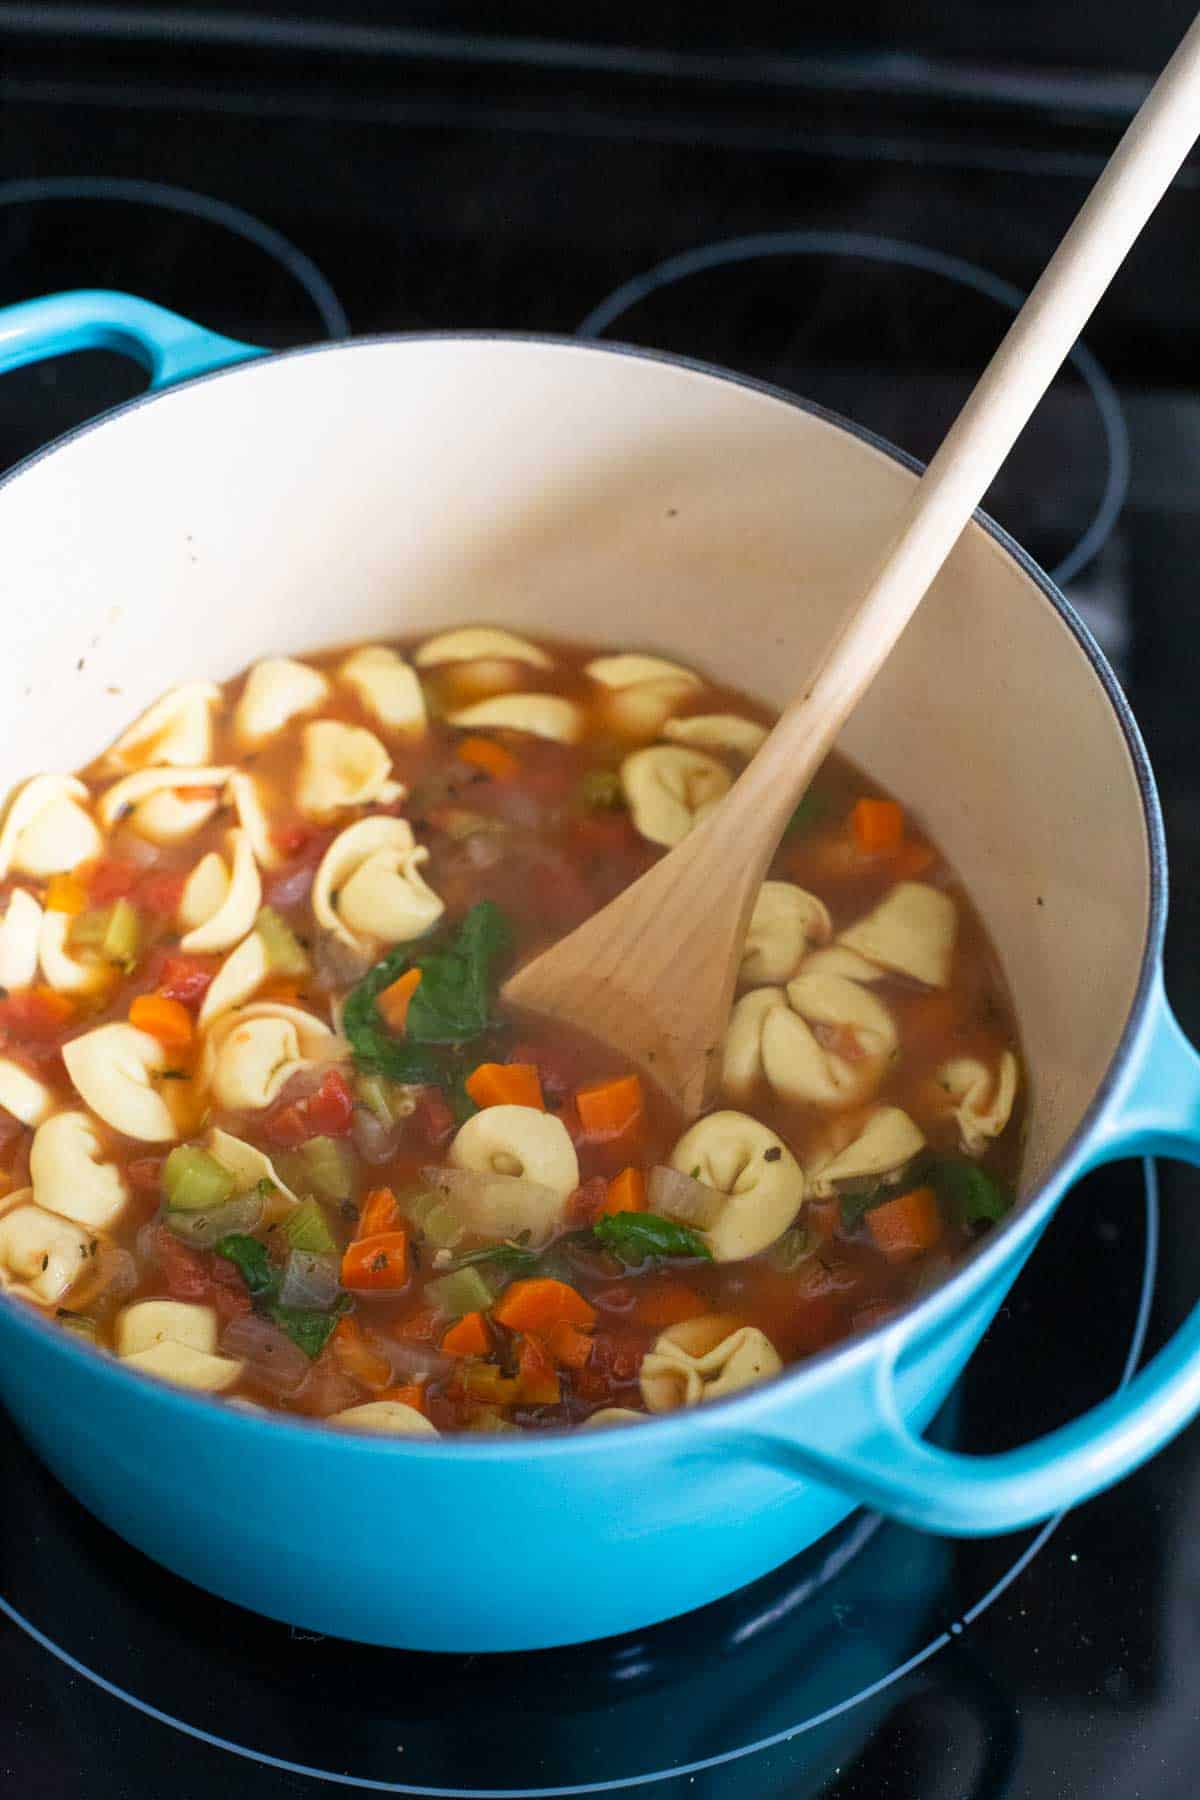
(1155,1111)
(168,347)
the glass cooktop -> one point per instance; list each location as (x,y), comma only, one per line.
(861,244)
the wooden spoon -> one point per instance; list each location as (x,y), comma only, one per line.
(654,973)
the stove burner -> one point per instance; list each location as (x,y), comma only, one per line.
(846,1622)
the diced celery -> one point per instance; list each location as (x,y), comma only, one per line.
(442,1226)
(308,1229)
(285,952)
(87,929)
(123,936)
(601,790)
(330,1167)
(461,1292)
(194,1181)
(418,1206)
(372,1092)
(203,1229)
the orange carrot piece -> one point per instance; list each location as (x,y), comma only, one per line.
(535,1371)
(905,1226)
(877,825)
(626,1193)
(666,1302)
(569,1346)
(394,1001)
(609,1109)
(379,1213)
(469,1337)
(378,1262)
(65,895)
(494,759)
(540,1302)
(167,1020)
(505,1084)
(356,1357)
(912,859)
(410,1394)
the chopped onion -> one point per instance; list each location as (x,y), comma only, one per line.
(412,1361)
(337,965)
(309,1279)
(375,1141)
(202,1229)
(674,1195)
(499,1206)
(291,889)
(270,1356)
(111,1275)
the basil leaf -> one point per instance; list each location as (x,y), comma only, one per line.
(513,1257)
(309,1329)
(633,1237)
(250,1259)
(454,1000)
(812,811)
(967,1193)
(861,1200)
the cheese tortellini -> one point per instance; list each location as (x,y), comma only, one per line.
(47,828)
(276,691)
(177,730)
(541,715)
(472,642)
(823,1040)
(177,1341)
(980,1099)
(369,889)
(717,731)
(705,1359)
(758,1182)
(343,765)
(669,789)
(70,1175)
(114,1069)
(62,971)
(386,1418)
(881,1146)
(238,979)
(784,926)
(42,1255)
(221,900)
(165,806)
(20,932)
(518,1140)
(22,1094)
(643,691)
(249,1056)
(911,932)
(245,796)
(387,686)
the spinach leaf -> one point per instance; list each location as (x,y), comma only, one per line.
(250,1259)
(461,1103)
(454,1001)
(812,811)
(373,1044)
(515,1258)
(632,1237)
(967,1193)
(860,1201)
(309,1329)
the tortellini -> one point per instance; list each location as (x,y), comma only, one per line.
(369,889)
(164,805)
(176,1341)
(245,796)
(22,1094)
(63,972)
(541,715)
(760,1180)
(981,1099)
(883,1145)
(643,691)
(70,1175)
(343,765)
(521,1141)
(822,1041)
(388,1418)
(177,729)
(705,1359)
(473,641)
(247,1164)
(41,1255)
(221,899)
(114,1069)
(238,979)
(251,1055)
(276,691)
(20,931)
(785,924)
(835,959)
(911,932)
(386,685)
(717,731)
(670,789)
(47,829)
(605,1416)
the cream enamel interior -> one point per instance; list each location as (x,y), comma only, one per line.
(394,487)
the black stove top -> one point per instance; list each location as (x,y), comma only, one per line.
(856,229)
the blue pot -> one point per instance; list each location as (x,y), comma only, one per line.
(342,491)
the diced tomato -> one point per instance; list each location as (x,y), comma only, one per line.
(331,1108)
(161,891)
(145,1174)
(603,834)
(433,1117)
(111,879)
(423,1327)
(614,1364)
(186,978)
(587,1202)
(288,1126)
(200,1275)
(41,1017)
(291,837)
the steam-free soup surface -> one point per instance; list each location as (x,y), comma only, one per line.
(266,1132)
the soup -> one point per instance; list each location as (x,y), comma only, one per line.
(267,1132)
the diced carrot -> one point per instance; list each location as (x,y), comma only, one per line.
(666,1302)
(379,1213)
(167,1020)
(877,825)
(505,1084)
(912,859)
(569,1346)
(540,1302)
(626,1192)
(494,759)
(394,1001)
(902,1228)
(65,895)
(611,1108)
(539,1383)
(356,1356)
(411,1393)
(469,1337)
(369,1264)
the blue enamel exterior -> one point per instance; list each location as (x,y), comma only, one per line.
(602,1532)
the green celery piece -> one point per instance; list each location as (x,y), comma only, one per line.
(194,1181)
(462,1291)
(285,952)
(87,929)
(250,1258)
(442,1226)
(372,1092)
(310,1329)
(633,1237)
(330,1167)
(308,1229)
(122,938)
(601,790)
